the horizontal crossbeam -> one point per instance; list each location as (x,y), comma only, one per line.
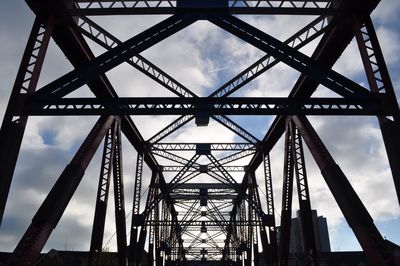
(212,106)
(198,186)
(188,197)
(194,146)
(145,7)
(202,223)
(177,168)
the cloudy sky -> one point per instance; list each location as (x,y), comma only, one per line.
(202,57)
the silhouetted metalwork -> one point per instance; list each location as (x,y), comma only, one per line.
(223,219)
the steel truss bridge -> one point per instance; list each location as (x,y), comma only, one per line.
(183,219)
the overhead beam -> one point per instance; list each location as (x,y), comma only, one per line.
(198,186)
(157,7)
(211,106)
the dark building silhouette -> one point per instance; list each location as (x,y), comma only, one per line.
(321,234)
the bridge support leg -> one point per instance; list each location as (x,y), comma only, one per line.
(49,214)
(380,83)
(355,213)
(13,127)
(99,221)
(287,192)
(119,199)
(306,222)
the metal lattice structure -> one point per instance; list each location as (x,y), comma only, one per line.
(223,220)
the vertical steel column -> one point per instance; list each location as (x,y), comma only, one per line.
(239,234)
(96,242)
(150,257)
(157,234)
(303,193)
(380,83)
(261,228)
(164,230)
(13,127)
(357,216)
(287,193)
(136,208)
(255,247)
(172,237)
(143,231)
(273,244)
(243,233)
(119,199)
(51,210)
(249,251)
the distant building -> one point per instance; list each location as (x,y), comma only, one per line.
(321,234)
(322,242)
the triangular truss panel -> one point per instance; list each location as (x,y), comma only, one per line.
(201,200)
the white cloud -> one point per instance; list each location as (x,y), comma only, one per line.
(386,12)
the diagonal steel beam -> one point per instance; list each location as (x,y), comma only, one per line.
(174,183)
(380,84)
(297,60)
(300,39)
(376,248)
(231,125)
(112,58)
(172,127)
(172,157)
(108,41)
(236,156)
(228,178)
(13,127)
(49,214)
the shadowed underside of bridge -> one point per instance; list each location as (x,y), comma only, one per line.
(186,218)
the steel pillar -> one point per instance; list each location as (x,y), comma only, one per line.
(381,85)
(273,243)
(119,199)
(306,221)
(46,219)
(135,210)
(287,194)
(13,126)
(356,215)
(96,244)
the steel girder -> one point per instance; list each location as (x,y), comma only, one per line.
(210,106)
(45,220)
(130,7)
(13,127)
(376,248)
(380,83)
(165,230)
(96,244)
